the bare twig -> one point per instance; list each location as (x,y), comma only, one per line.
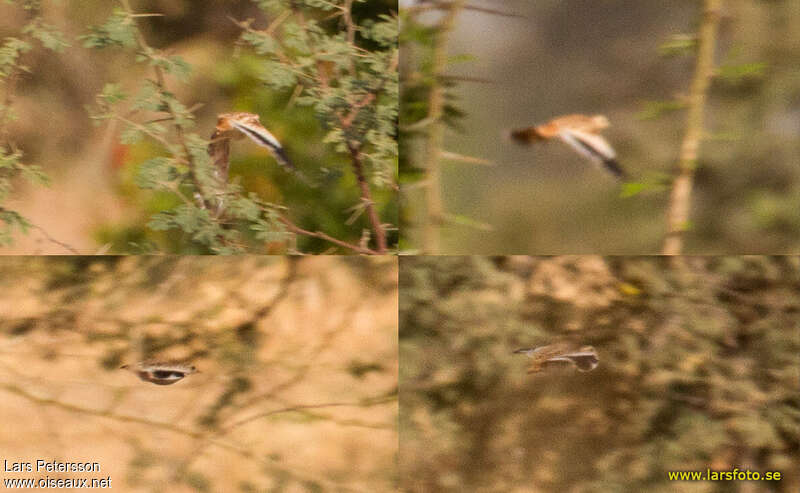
(680,198)
(49,238)
(290,226)
(202,436)
(228,428)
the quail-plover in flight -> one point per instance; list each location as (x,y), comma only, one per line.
(161,373)
(582,133)
(235,126)
(583,358)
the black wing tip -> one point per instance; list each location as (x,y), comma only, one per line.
(613,166)
(283,158)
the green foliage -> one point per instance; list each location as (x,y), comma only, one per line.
(428,106)
(657,182)
(12,68)
(10,52)
(353,91)
(118,31)
(50,37)
(186,170)
(734,73)
(346,76)
(420,39)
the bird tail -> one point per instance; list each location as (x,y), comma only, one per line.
(264,138)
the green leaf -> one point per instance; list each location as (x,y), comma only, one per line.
(173,65)
(48,35)
(631,189)
(678,45)
(655,109)
(462,58)
(118,31)
(155,173)
(737,72)
(112,93)
(9,55)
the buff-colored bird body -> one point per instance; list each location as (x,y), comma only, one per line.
(583,358)
(236,126)
(581,133)
(161,373)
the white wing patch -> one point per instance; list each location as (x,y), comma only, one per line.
(264,138)
(588,145)
(260,136)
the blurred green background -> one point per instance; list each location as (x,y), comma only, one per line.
(603,56)
(94,204)
(698,369)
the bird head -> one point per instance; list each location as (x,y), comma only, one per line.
(225,123)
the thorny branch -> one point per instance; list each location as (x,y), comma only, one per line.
(290,226)
(354,149)
(433,193)
(160,82)
(681,195)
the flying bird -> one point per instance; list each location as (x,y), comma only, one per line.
(583,358)
(235,126)
(161,373)
(582,133)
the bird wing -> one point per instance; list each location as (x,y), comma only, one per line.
(264,138)
(590,145)
(574,121)
(583,360)
(594,147)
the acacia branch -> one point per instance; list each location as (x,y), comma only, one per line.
(162,87)
(680,197)
(366,197)
(53,240)
(219,152)
(433,193)
(355,156)
(292,227)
